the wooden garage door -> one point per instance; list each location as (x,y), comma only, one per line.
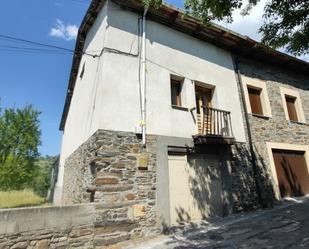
(194,188)
(292,173)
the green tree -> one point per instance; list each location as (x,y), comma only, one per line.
(286,22)
(43,178)
(19,141)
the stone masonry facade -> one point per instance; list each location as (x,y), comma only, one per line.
(276,129)
(113,168)
(83,226)
(243,188)
(105,170)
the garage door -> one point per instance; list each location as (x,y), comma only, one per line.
(194,187)
(292,173)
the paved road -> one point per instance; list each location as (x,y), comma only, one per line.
(285,226)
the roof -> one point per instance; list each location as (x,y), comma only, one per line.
(240,45)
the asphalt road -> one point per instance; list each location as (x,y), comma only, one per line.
(285,226)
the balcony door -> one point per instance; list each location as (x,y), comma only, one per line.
(203,98)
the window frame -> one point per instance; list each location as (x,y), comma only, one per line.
(259,104)
(177,86)
(286,92)
(292,111)
(261,85)
(182,98)
(283,146)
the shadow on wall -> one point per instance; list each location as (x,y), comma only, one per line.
(293,188)
(205,184)
(222,181)
(204,197)
(251,183)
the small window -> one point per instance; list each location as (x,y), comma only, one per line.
(255,100)
(291,107)
(82,72)
(176,92)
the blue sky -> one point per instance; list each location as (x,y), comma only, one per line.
(38,78)
(41,78)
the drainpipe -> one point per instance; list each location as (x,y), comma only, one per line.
(144,79)
(253,156)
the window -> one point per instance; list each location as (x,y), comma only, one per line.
(256,97)
(255,100)
(290,104)
(82,72)
(176,92)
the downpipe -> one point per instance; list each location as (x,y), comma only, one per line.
(143,124)
(249,133)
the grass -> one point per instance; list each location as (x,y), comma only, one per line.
(20,198)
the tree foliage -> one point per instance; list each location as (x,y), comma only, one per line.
(19,141)
(286,22)
(43,177)
(213,10)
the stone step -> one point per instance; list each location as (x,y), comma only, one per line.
(105,241)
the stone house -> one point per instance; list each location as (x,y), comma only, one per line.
(277,107)
(183,121)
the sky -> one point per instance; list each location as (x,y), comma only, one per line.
(40,78)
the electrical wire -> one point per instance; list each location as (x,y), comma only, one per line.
(81,1)
(16,39)
(61,50)
(31,50)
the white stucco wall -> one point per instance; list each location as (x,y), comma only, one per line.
(168,52)
(108,95)
(80,123)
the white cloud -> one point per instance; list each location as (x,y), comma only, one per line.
(248,25)
(57,4)
(66,32)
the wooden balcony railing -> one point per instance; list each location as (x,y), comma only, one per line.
(215,122)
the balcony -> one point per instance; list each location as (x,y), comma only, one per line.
(214,127)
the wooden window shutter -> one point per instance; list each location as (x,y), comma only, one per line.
(255,100)
(176,92)
(290,103)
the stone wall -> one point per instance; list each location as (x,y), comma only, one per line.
(49,227)
(238,181)
(276,128)
(244,178)
(244,191)
(78,226)
(107,169)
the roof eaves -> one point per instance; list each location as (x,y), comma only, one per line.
(90,17)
